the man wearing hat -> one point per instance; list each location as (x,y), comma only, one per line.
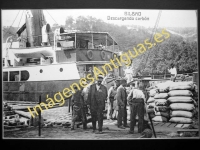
(136,100)
(96,102)
(78,108)
(111,98)
(84,93)
(122,102)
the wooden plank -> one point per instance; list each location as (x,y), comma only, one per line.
(9,127)
(169,124)
(188,130)
(172,125)
(15,129)
(156,123)
(24,114)
(21,126)
(161,124)
(175,124)
(185,125)
(166,124)
(179,125)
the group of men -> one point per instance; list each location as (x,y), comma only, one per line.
(95,96)
(121,96)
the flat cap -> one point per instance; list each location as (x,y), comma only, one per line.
(100,76)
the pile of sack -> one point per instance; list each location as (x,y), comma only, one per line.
(182,105)
(151,102)
(161,110)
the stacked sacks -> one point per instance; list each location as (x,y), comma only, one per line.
(161,103)
(182,104)
(151,102)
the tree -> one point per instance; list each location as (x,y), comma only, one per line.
(69,23)
(156,60)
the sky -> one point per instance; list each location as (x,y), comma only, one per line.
(169,18)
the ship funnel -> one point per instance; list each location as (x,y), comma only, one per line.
(34,22)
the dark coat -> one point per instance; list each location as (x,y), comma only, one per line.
(121,96)
(77,99)
(97,98)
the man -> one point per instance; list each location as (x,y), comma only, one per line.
(136,100)
(78,108)
(128,72)
(96,102)
(173,72)
(122,102)
(111,98)
(131,85)
(84,93)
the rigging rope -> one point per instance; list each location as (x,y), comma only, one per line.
(12,23)
(51,16)
(153,32)
(20,19)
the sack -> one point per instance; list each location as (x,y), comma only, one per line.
(161,96)
(161,108)
(163,87)
(151,105)
(161,102)
(150,100)
(180,93)
(185,114)
(150,110)
(178,85)
(180,120)
(159,119)
(165,114)
(182,106)
(153,92)
(180,99)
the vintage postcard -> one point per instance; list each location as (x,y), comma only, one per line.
(100,74)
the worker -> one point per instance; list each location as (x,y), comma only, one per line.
(78,108)
(84,93)
(115,109)
(173,72)
(128,73)
(130,86)
(122,102)
(136,100)
(96,102)
(110,75)
(111,98)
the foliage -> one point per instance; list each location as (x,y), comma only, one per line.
(180,50)
(156,60)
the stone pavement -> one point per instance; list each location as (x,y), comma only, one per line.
(61,114)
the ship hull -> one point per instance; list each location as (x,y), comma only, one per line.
(31,90)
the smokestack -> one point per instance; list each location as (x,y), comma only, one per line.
(34,21)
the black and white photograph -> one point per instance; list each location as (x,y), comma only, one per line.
(98,74)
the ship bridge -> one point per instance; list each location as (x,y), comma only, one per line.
(88,39)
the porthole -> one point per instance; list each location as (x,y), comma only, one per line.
(41,70)
(61,69)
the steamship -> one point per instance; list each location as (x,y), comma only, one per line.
(43,62)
